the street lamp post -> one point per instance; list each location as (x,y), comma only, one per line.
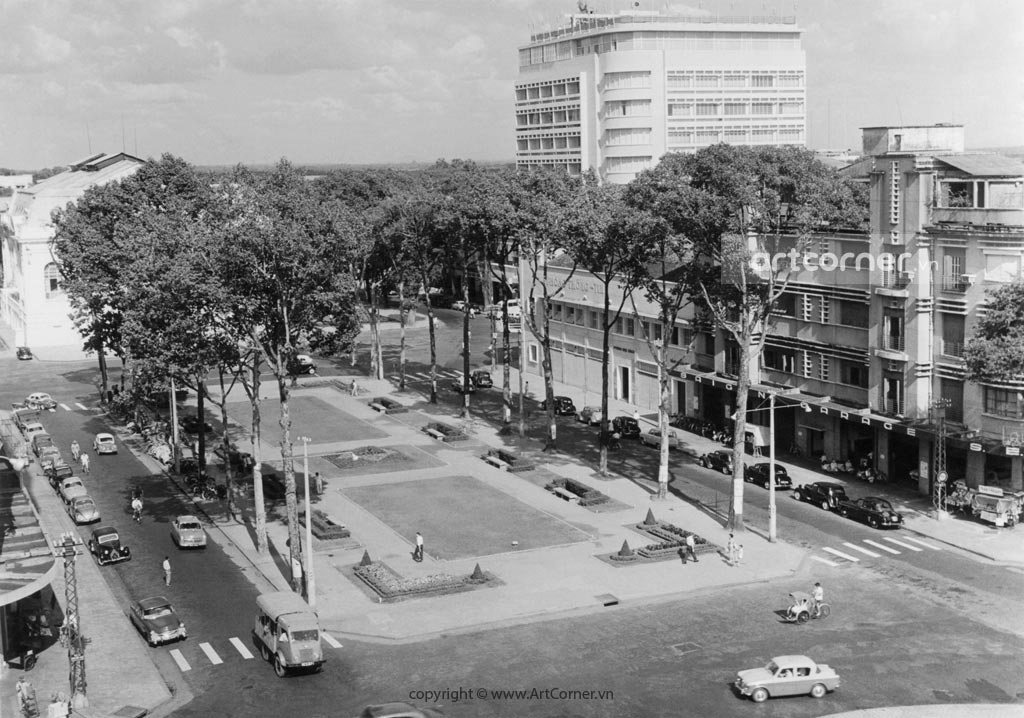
(772,523)
(310,577)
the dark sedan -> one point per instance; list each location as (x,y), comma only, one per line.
(826,494)
(157,621)
(875,512)
(627,426)
(718,461)
(563,406)
(24,353)
(482,379)
(758,474)
(106,546)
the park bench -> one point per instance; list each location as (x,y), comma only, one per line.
(434,433)
(565,495)
(493,460)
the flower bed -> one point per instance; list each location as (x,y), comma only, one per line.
(376,455)
(447,432)
(324,529)
(389,584)
(515,462)
(672,539)
(587,496)
(389,406)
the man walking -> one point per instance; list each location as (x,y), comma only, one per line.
(691,548)
(418,554)
(730,551)
(167,570)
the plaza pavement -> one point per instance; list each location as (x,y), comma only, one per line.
(536,584)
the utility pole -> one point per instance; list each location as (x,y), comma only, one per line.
(310,578)
(941,477)
(772,522)
(67,549)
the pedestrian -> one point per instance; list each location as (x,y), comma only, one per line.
(418,554)
(84,459)
(167,570)
(110,396)
(355,387)
(76,450)
(636,415)
(318,481)
(730,550)
(22,687)
(526,390)
(691,548)
(739,554)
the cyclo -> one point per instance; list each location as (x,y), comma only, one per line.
(802,609)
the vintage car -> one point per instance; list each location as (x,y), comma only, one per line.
(71,489)
(48,456)
(32,428)
(24,353)
(24,414)
(104,444)
(653,438)
(718,461)
(590,415)
(758,474)
(41,400)
(39,441)
(876,512)
(459,387)
(106,546)
(787,676)
(826,494)
(301,364)
(482,379)
(563,406)
(157,621)
(627,426)
(187,532)
(83,510)
(57,471)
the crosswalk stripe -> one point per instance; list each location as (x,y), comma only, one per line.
(882,546)
(824,560)
(904,545)
(331,641)
(65,407)
(210,653)
(855,547)
(840,554)
(926,544)
(180,660)
(421,376)
(241,648)
(83,407)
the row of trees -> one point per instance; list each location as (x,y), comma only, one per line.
(189,276)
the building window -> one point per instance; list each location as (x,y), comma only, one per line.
(735,108)
(853,374)
(628,136)
(51,276)
(761,108)
(762,81)
(952,335)
(625,326)
(570,315)
(627,80)
(952,391)
(853,314)
(680,109)
(594,320)
(532,353)
(1003,402)
(780,359)
(706,109)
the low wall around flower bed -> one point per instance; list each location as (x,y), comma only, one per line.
(671,539)
(587,496)
(390,586)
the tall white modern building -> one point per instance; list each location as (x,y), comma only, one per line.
(614,93)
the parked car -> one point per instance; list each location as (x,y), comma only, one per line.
(71,489)
(718,461)
(460,306)
(105,545)
(758,474)
(826,494)
(83,510)
(787,676)
(459,387)
(590,415)
(49,455)
(41,441)
(187,532)
(563,406)
(653,438)
(482,379)
(192,425)
(301,364)
(627,426)
(156,619)
(24,414)
(25,353)
(57,471)
(104,444)
(399,710)
(876,512)
(41,400)
(31,429)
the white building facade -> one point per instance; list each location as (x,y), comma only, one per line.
(614,93)
(32,301)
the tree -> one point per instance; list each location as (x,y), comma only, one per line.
(735,205)
(995,353)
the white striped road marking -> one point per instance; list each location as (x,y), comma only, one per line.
(210,653)
(65,407)
(180,660)
(824,560)
(904,545)
(855,547)
(421,376)
(240,647)
(330,640)
(882,546)
(926,544)
(840,554)
(83,407)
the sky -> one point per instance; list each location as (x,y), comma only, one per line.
(221,82)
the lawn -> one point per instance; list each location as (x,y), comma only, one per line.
(311,416)
(460,517)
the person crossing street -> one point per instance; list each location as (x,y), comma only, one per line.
(84,460)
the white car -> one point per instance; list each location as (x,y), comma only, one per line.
(653,438)
(31,429)
(83,510)
(104,444)
(187,532)
(42,400)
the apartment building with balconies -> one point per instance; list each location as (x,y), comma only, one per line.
(613,93)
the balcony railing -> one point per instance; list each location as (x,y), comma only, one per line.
(895,280)
(894,343)
(952,349)
(893,406)
(954,283)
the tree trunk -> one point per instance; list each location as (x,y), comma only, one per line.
(259,508)
(739,433)
(433,342)
(467,379)
(402,316)
(663,411)
(606,341)
(229,473)
(201,417)
(104,379)
(377,371)
(549,375)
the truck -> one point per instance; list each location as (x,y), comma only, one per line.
(287,633)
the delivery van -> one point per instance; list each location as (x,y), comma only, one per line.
(287,633)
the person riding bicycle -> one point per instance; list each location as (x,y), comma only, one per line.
(817,597)
(76,450)
(137,508)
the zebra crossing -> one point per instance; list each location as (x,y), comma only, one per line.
(236,649)
(849,552)
(425,376)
